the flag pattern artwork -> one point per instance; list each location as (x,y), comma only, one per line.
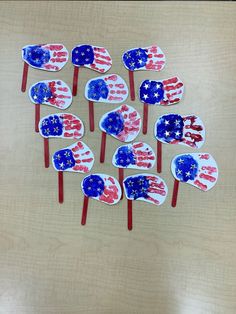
(164,92)
(92,57)
(108,88)
(134,156)
(123,123)
(145,187)
(77,157)
(48,57)
(184,130)
(54,93)
(102,187)
(197,169)
(147,58)
(63,125)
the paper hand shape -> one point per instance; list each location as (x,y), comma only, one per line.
(176,129)
(48,57)
(145,187)
(107,88)
(197,169)
(77,157)
(123,123)
(54,93)
(147,58)
(102,187)
(92,57)
(134,156)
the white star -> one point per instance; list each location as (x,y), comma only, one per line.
(90,180)
(140,61)
(188,174)
(98,189)
(82,53)
(138,53)
(121,161)
(100,182)
(132,64)
(134,192)
(76,51)
(158,85)
(88,49)
(54,120)
(130,183)
(179,171)
(87,59)
(67,154)
(127,160)
(177,122)
(56,129)
(61,165)
(58,156)
(89,188)
(140,181)
(193,166)
(45,98)
(77,60)
(167,133)
(47,131)
(181,161)
(177,133)
(167,122)
(156,94)
(35,97)
(110,119)
(127,55)
(146,86)
(69,162)
(143,190)
(45,122)
(145,96)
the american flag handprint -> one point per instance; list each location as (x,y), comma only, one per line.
(163,92)
(197,169)
(145,187)
(48,57)
(185,130)
(147,58)
(102,187)
(55,93)
(107,88)
(123,123)
(137,155)
(77,157)
(92,57)
(63,125)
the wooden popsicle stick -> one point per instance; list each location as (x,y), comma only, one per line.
(130,215)
(37,117)
(85,210)
(145,118)
(159,156)
(131,85)
(121,179)
(46,152)
(60,187)
(175,193)
(103,147)
(91,116)
(24,77)
(75,80)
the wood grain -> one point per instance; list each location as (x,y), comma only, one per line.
(175,261)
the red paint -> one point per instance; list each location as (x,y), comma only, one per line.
(37,117)
(87,160)
(138,145)
(91,116)
(98,55)
(85,210)
(110,194)
(77,147)
(46,152)
(75,81)
(54,47)
(209,169)
(194,137)
(59,54)
(145,118)
(175,193)
(111,78)
(143,164)
(159,156)
(131,85)
(200,185)
(60,187)
(121,179)
(81,168)
(193,126)
(115,98)
(110,85)
(98,61)
(207,177)
(130,215)
(120,85)
(58,60)
(100,49)
(103,147)
(204,156)
(24,77)
(51,67)
(153,200)
(63,89)
(170,81)
(153,49)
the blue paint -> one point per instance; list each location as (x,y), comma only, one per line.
(63,159)
(169,127)
(135,59)
(36,55)
(151,92)
(93,186)
(52,126)
(97,89)
(186,168)
(137,187)
(113,123)
(124,157)
(40,93)
(82,55)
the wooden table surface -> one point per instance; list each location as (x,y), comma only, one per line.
(175,261)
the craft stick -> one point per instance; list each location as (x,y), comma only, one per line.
(91,116)
(175,193)
(130,223)
(131,85)
(103,147)
(24,77)
(46,152)
(145,118)
(60,187)
(75,81)
(159,156)
(37,117)
(85,210)
(121,179)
